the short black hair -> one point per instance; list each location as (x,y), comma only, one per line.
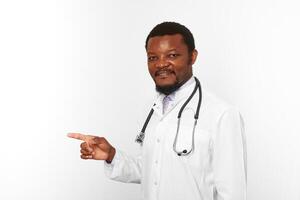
(172,28)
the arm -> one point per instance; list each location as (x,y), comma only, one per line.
(229,157)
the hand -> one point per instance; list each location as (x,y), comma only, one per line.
(94,147)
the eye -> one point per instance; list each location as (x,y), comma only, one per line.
(152,58)
(173,55)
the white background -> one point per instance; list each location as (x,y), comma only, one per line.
(80,66)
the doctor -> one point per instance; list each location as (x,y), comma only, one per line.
(194,159)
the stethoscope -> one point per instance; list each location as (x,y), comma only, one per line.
(140,137)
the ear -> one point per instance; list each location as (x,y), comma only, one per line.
(194,55)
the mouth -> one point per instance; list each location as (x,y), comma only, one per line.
(164,73)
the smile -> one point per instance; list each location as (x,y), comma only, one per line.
(163,73)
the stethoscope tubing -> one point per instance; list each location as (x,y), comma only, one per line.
(141,136)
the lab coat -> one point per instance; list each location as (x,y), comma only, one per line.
(215,170)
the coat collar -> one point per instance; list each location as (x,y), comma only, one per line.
(176,97)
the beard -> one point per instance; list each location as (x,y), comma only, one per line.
(168,89)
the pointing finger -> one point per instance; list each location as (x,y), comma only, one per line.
(77,136)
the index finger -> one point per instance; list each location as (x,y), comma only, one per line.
(78,136)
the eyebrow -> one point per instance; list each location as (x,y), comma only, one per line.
(167,51)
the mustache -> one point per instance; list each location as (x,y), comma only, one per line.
(163,70)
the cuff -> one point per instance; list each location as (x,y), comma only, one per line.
(108,167)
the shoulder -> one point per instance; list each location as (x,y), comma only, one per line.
(216,104)
(213,108)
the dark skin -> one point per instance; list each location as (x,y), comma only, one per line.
(169,63)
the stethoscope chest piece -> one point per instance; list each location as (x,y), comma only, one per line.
(140,138)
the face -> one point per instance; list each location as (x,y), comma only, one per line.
(169,61)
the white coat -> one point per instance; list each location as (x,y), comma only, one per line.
(215,170)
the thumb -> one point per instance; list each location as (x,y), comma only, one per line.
(97,140)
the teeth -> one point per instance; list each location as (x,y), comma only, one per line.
(163,72)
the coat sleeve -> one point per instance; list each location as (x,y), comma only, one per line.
(124,168)
(229,157)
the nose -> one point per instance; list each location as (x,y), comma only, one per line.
(162,63)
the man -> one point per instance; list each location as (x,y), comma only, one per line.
(207,163)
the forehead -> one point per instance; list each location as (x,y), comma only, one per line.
(166,42)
